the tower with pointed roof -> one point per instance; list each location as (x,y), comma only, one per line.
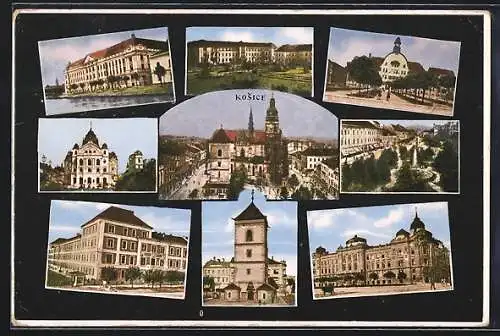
(274,144)
(250,123)
(250,251)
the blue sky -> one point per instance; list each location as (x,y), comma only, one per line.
(344,44)
(66,217)
(203,114)
(55,54)
(377,224)
(276,35)
(218,228)
(123,136)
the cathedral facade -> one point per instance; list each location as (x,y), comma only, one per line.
(260,154)
(90,165)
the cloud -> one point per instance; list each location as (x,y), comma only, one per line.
(166,224)
(351,232)
(298,34)
(321,219)
(74,49)
(392,217)
(237,35)
(280,218)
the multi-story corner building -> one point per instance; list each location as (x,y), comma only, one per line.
(262,154)
(117,238)
(410,257)
(294,54)
(326,176)
(313,156)
(359,136)
(124,64)
(90,165)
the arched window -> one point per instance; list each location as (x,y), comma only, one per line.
(98,162)
(249,235)
(242,153)
(89,162)
(219,152)
(81,162)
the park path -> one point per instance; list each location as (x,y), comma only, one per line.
(395,103)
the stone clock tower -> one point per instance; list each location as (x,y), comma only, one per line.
(250,251)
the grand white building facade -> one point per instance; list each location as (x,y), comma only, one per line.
(129,63)
(90,165)
(117,238)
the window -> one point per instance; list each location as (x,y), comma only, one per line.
(228,295)
(249,253)
(264,296)
(249,271)
(89,162)
(124,245)
(249,235)
(219,152)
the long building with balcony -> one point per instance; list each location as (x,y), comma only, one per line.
(117,238)
(133,62)
(410,257)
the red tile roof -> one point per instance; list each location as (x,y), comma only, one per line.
(224,136)
(120,215)
(119,47)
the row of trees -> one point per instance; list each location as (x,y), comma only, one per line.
(424,82)
(365,72)
(151,277)
(367,174)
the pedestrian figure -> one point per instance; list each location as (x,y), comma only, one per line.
(432,285)
(388,95)
(379,95)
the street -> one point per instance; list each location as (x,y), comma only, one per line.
(196,181)
(395,103)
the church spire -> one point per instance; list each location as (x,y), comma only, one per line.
(250,122)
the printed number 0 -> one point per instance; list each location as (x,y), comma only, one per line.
(201,313)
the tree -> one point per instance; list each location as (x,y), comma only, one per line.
(209,283)
(149,276)
(237,182)
(160,72)
(373,276)
(111,79)
(293,182)
(82,86)
(135,77)
(389,275)
(409,180)
(401,276)
(173,276)
(365,71)
(193,194)
(109,274)
(132,273)
(291,283)
(283,193)
(446,163)
(139,180)
(302,193)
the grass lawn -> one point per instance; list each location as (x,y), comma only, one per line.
(293,81)
(129,91)
(55,279)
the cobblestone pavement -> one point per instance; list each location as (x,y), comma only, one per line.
(394,103)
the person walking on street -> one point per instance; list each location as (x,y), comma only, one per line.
(388,95)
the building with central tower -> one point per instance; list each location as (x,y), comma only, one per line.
(260,154)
